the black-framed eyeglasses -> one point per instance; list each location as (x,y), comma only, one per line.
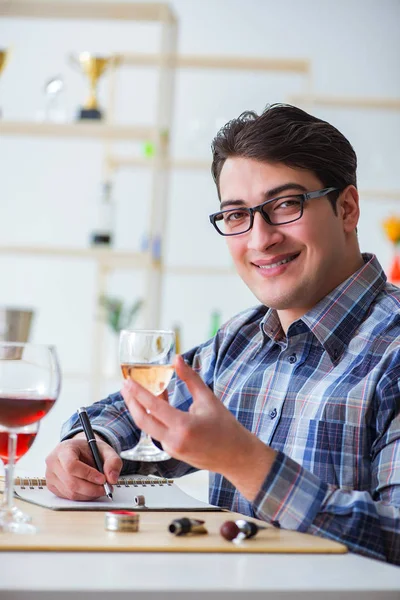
(277,211)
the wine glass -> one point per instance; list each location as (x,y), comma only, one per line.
(30,382)
(25,438)
(147,357)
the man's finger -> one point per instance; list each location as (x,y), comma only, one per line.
(112,465)
(133,392)
(70,463)
(148,422)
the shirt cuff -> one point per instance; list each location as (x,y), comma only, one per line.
(290,496)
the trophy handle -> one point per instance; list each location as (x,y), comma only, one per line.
(5,54)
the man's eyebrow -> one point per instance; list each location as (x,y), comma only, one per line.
(272,193)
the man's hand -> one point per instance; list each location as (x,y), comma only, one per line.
(207,436)
(71,472)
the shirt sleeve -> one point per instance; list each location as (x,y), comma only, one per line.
(366,521)
(111,419)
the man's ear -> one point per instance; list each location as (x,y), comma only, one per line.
(349,208)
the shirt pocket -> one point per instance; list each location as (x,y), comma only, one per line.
(336,451)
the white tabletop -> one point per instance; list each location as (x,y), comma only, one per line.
(30,576)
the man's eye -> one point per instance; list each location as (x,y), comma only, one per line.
(288,204)
(235,216)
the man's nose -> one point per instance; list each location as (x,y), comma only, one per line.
(263,235)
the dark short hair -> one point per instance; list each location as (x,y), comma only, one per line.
(286,134)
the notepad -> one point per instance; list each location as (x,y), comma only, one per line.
(157,494)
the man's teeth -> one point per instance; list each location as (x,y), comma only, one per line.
(281,262)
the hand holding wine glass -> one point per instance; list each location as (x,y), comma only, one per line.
(29,386)
(147,356)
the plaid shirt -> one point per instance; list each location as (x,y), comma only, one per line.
(325,396)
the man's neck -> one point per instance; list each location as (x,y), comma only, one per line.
(290,315)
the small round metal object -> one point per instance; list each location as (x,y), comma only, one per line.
(121,520)
(139,500)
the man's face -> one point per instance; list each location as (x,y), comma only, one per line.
(315,249)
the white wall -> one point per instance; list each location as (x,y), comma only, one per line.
(48,187)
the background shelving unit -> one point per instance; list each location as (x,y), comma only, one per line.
(107,131)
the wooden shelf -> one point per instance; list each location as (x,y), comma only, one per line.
(347,102)
(199,270)
(135,11)
(78,130)
(85,376)
(380,194)
(117,162)
(238,63)
(106,257)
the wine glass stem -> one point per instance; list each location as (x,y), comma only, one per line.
(9,468)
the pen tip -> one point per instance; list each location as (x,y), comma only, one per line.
(110,496)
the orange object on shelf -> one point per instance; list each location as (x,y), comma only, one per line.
(394,270)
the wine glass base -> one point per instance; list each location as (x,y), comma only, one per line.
(10,524)
(18,516)
(145,453)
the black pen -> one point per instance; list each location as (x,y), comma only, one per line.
(91,440)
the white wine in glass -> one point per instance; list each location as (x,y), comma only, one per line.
(147,356)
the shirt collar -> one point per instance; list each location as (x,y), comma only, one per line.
(336,317)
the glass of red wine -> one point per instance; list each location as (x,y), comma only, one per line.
(147,356)
(30,381)
(25,438)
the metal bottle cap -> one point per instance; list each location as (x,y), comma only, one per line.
(121,520)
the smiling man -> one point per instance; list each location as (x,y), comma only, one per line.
(294,405)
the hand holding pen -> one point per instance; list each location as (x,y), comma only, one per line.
(87,428)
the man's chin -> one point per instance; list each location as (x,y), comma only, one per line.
(281,302)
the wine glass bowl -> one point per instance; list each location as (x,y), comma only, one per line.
(25,437)
(147,356)
(30,383)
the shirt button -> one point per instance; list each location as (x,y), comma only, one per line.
(273,413)
(292,358)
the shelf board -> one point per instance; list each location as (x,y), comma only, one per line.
(198,270)
(106,257)
(135,11)
(120,162)
(86,376)
(347,102)
(114,258)
(77,130)
(380,194)
(236,63)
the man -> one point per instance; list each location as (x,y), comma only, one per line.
(293,406)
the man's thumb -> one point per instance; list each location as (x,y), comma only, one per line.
(193,381)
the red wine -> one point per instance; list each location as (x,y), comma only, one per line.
(24,442)
(18,411)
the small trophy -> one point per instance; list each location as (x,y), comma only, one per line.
(3,61)
(93,67)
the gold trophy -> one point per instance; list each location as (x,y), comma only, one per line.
(3,61)
(93,67)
